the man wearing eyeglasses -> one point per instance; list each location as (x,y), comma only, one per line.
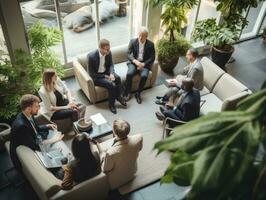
(101,70)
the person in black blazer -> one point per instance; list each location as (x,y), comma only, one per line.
(188,105)
(24,130)
(141,55)
(101,70)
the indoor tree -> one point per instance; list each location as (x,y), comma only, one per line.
(172,45)
(24,74)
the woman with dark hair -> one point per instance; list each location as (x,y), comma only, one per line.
(85,165)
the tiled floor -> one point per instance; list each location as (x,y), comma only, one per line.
(249,68)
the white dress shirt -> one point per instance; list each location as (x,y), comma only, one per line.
(141,51)
(102,63)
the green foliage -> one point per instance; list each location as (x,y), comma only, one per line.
(232,10)
(173,19)
(220,36)
(14,82)
(41,39)
(217,153)
(174,15)
(175,49)
(25,74)
(175,3)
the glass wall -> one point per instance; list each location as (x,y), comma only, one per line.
(254,16)
(3,47)
(78,19)
(206,9)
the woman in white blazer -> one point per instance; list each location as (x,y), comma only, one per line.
(56,97)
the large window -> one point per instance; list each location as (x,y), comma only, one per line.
(206,9)
(3,47)
(78,19)
(255,17)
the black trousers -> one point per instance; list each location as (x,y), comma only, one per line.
(114,88)
(132,70)
(66,113)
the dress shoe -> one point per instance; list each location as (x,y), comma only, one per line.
(138,98)
(159,97)
(160,102)
(122,101)
(159,116)
(112,109)
(127,97)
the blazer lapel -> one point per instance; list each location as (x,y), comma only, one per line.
(137,48)
(97,59)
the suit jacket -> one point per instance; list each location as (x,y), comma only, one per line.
(195,71)
(148,54)
(189,107)
(120,160)
(22,133)
(94,62)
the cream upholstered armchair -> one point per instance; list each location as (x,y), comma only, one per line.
(95,93)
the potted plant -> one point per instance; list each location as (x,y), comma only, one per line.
(221,155)
(220,37)
(231,24)
(264,34)
(168,53)
(172,45)
(25,73)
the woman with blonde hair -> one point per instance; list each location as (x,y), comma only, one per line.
(56,97)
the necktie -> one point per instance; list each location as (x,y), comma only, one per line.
(33,125)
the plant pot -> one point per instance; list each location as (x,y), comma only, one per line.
(167,64)
(220,57)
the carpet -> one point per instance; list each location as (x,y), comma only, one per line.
(142,120)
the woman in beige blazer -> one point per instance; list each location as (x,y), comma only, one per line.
(57,100)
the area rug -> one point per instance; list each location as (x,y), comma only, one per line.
(142,119)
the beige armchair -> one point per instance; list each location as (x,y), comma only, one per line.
(95,93)
(47,186)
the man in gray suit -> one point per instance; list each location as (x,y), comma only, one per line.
(194,70)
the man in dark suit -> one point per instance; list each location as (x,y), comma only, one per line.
(141,55)
(188,106)
(101,69)
(25,131)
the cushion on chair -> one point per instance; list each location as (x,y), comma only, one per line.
(211,73)
(204,91)
(228,86)
(231,102)
(82,59)
(212,104)
(119,54)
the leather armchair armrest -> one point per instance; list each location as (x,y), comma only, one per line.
(85,81)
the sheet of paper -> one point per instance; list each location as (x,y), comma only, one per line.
(98,119)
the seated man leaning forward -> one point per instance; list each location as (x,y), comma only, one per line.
(188,105)
(120,160)
(194,70)
(101,70)
(141,55)
(25,131)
